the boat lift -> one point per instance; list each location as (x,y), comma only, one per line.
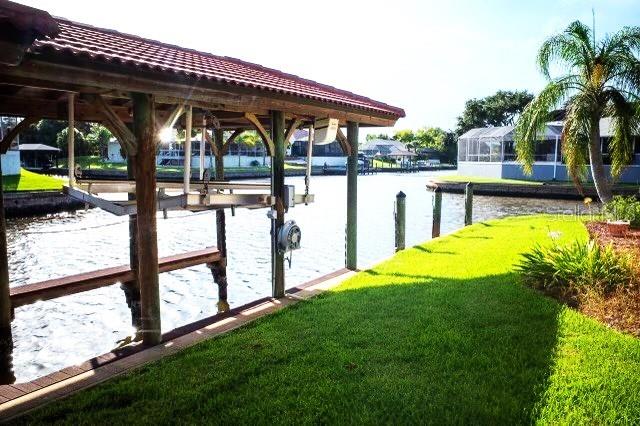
(202,196)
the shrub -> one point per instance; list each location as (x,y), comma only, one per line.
(255,163)
(577,267)
(623,208)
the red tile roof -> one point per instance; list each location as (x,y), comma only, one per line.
(115,47)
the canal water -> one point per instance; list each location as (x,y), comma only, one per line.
(54,334)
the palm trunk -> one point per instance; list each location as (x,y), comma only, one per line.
(600,176)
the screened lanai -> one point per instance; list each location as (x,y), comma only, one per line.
(496,145)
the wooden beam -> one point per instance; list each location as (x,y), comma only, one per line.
(344,144)
(266,139)
(5,144)
(295,123)
(147,241)
(171,120)
(122,132)
(231,139)
(58,287)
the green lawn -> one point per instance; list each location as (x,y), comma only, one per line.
(441,333)
(29,181)
(477,179)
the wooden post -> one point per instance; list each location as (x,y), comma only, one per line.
(203,141)
(437,212)
(187,150)
(147,241)
(71,160)
(277,190)
(468,204)
(219,270)
(132,289)
(400,218)
(352,197)
(6,339)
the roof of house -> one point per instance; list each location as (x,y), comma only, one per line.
(376,144)
(37,147)
(109,46)
(506,132)
(553,129)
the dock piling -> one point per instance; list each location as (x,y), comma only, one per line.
(219,270)
(146,200)
(132,289)
(468,204)
(277,190)
(6,339)
(400,219)
(352,197)
(437,212)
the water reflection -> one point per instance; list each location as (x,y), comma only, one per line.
(53,334)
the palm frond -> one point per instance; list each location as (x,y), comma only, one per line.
(575,140)
(625,122)
(535,116)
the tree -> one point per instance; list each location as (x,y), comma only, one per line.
(500,109)
(384,136)
(98,138)
(603,79)
(431,137)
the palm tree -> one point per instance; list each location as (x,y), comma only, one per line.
(602,80)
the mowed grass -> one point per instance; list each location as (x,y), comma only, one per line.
(479,179)
(441,333)
(29,181)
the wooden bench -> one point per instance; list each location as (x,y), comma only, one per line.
(51,289)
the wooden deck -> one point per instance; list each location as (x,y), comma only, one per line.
(58,287)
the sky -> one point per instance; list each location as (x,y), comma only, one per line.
(427,57)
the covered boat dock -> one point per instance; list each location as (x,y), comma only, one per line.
(52,68)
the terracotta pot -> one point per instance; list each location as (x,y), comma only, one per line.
(618,228)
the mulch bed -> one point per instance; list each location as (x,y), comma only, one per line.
(598,231)
(620,310)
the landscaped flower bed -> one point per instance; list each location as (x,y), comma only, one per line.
(600,276)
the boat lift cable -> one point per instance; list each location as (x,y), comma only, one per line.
(307,176)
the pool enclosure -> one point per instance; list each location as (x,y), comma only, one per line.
(490,152)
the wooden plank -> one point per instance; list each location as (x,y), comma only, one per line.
(5,144)
(145,162)
(72,284)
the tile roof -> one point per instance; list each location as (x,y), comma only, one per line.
(114,47)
